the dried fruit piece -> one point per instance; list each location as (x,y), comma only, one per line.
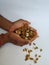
(39,56)
(18,32)
(31,58)
(34,44)
(22,36)
(36,58)
(35,61)
(26,38)
(29,51)
(27,57)
(25,49)
(35,48)
(27,31)
(40,50)
(35,55)
(31,33)
(27,34)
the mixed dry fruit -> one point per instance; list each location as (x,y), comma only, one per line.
(26,32)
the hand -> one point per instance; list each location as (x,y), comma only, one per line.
(14,38)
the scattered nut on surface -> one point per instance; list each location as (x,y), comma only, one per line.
(29,51)
(36,58)
(31,58)
(35,61)
(40,50)
(35,48)
(25,49)
(27,57)
(34,44)
(39,56)
(35,55)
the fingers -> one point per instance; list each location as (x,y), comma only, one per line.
(18,24)
(15,26)
(23,21)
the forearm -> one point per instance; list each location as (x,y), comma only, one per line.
(4,23)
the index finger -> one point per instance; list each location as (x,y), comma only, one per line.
(23,21)
(16,37)
(19,24)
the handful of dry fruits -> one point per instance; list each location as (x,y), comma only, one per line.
(26,32)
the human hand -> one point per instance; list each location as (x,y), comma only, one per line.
(14,38)
(11,36)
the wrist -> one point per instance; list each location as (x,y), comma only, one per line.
(3,39)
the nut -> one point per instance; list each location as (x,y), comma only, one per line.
(31,58)
(36,58)
(29,51)
(40,50)
(25,49)
(35,61)
(35,55)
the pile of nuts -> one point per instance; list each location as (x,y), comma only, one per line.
(25,32)
(36,56)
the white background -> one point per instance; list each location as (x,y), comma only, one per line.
(35,11)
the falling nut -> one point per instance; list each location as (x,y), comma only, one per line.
(35,61)
(31,58)
(29,51)
(35,55)
(40,50)
(25,49)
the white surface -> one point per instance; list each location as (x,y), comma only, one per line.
(35,11)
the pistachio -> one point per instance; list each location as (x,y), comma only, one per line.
(31,58)
(29,51)
(39,56)
(27,31)
(27,34)
(25,49)
(34,44)
(26,38)
(35,48)
(36,58)
(27,57)
(18,32)
(35,61)
(40,50)
(35,55)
